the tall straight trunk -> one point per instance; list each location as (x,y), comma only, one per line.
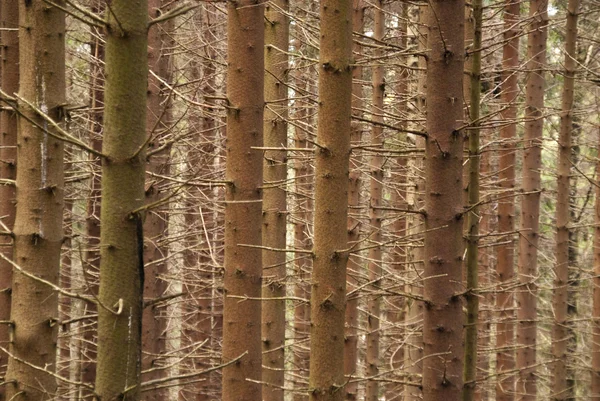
(123,170)
(414,350)
(155,224)
(38,232)
(328,295)
(9,19)
(505,359)
(354,185)
(274,201)
(560,330)
(530,206)
(443,315)
(243,201)
(472,265)
(375,213)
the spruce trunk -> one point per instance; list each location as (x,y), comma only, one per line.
(243,201)
(274,201)
(123,170)
(560,303)
(38,232)
(443,315)
(330,253)
(530,206)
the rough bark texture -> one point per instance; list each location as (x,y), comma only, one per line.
(243,206)
(328,295)
(530,206)
(123,170)
(560,331)
(473,216)
(9,19)
(375,214)
(38,232)
(274,201)
(155,224)
(505,358)
(443,315)
(354,266)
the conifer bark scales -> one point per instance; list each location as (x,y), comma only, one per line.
(443,315)
(38,232)
(243,201)
(9,19)
(328,296)
(530,206)
(275,206)
(123,171)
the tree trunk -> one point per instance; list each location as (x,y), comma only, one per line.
(9,19)
(505,359)
(443,315)
(375,214)
(530,207)
(38,232)
(156,221)
(560,331)
(274,201)
(243,208)
(328,295)
(472,265)
(354,183)
(123,171)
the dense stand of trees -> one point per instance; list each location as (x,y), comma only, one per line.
(277,200)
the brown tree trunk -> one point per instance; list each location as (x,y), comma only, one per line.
(473,215)
(414,349)
(505,359)
(123,171)
(530,206)
(354,266)
(375,214)
(38,232)
(274,201)
(243,201)
(155,224)
(9,21)
(328,295)
(560,304)
(443,315)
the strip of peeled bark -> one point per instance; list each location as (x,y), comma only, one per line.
(38,232)
(443,316)
(328,295)
(472,297)
(274,199)
(560,301)
(9,19)
(530,206)
(243,200)
(505,356)
(123,171)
